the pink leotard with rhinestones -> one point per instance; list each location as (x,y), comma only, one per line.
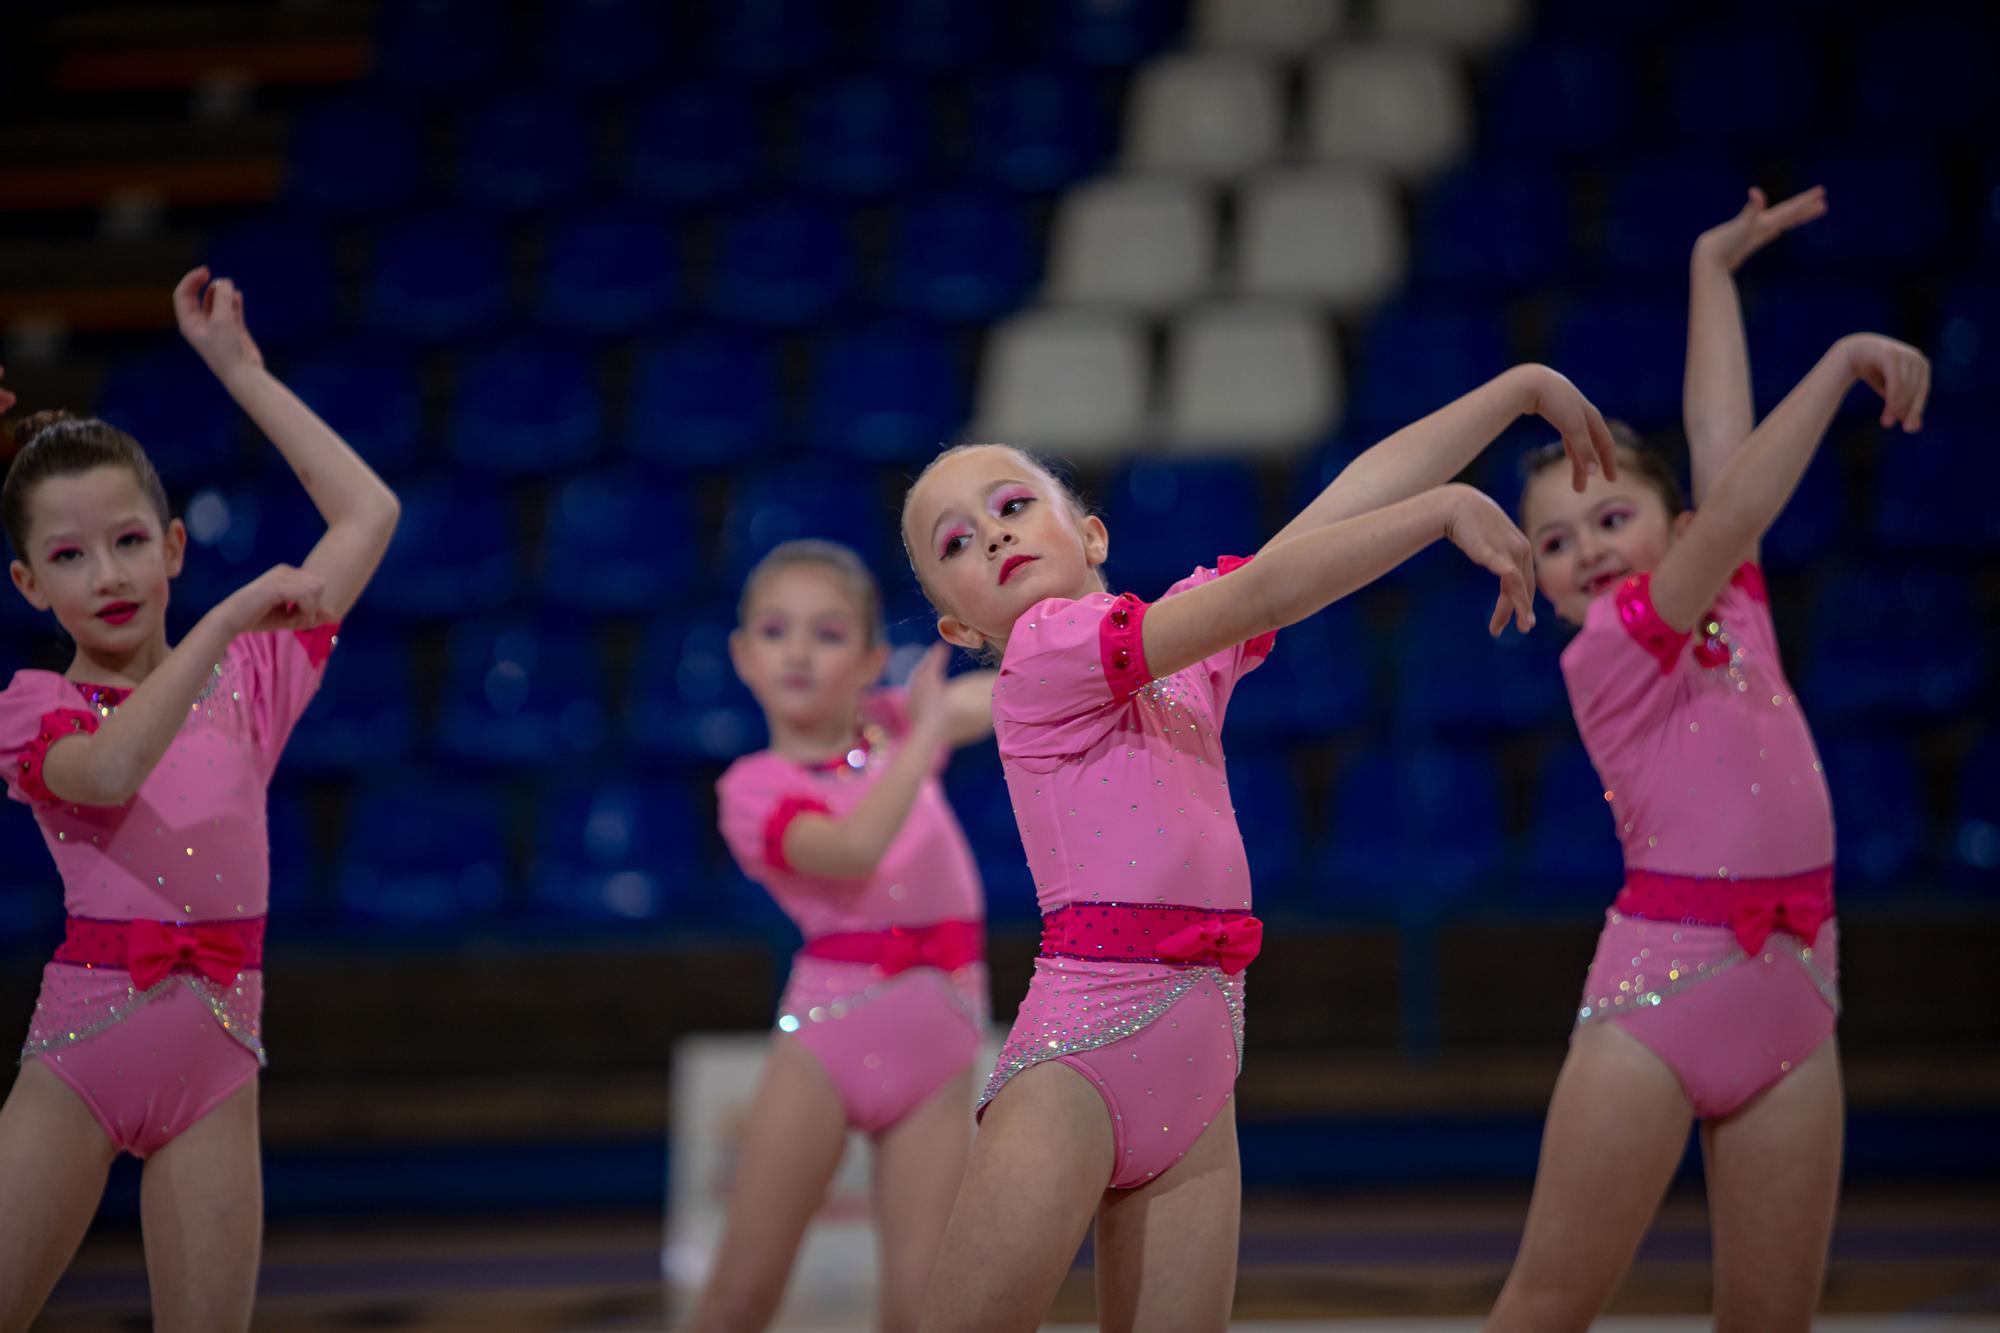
(191,846)
(1721,805)
(888,1040)
(1119,789)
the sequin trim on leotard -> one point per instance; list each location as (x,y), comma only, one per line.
(236,1008)
(1648,983)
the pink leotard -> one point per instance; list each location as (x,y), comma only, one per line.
(1122,800)
(1721,953)
(888,1031)
(190,849)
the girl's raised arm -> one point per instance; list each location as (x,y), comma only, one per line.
(360,511)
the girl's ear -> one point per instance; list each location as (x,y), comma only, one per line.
(24,580)
(878,661)
(1681,521)
(1096,541)
(737,649)
(955,631)
(175,540)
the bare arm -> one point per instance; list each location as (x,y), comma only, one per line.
(360,511)
(969,704)
(1716,406)
(1291,580)
(1753,487)
(108,767)
(1432,451)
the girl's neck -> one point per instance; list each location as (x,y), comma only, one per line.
(126,670)
(818,741)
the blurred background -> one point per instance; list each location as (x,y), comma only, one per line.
(619,294)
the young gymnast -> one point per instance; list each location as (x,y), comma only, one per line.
(1112,1097)
(1713,991)
(844,821)
(146,767)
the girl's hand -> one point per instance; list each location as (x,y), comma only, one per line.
(1481,529)
(211,319)
(924,697)
(1757,225)
(1586,439)
(1895,370)
(280,598)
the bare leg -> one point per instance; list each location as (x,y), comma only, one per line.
(1166,1252)
(1038,1169)
(1617,1126)
(791,1145)
(53,1160)
(1773,1185)
(918,1167)
(201,1202)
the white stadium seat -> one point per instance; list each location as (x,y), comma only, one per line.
(1134,243)
(1402,105)
(1214,116)
(1271,27)
(1470,25)
(1333,235)
(1071,380)
(1258,377)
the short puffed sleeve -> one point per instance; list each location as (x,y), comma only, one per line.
(37,709)
(756,801)
(1620,666)
(1067,664)
(280,672)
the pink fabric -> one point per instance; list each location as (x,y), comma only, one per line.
(789,808)
(1136,933)
(1753,908)
(150,950)
(56,724)
(946,946)
(1710,771)
(1727,1024)
(151,1076)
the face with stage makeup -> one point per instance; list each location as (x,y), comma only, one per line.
(1586,543)
(99,555)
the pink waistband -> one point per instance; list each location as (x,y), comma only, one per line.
(947,946)
(1799,904)
(150,950)
(1147,933)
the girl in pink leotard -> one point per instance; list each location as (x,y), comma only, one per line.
(844,821)
(146,767)
(1112,1098)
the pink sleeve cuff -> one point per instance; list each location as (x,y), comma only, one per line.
(1260,647)
(1751,579)
(55,726)
(789,808)
(1122,648)
(1634,600)
(318,642)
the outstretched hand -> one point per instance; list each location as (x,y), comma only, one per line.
(1758,224)
(1895,370)
(1586,439)
(1490,540)
(283,597)
(211,318)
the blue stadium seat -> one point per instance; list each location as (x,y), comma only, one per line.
(283,265)
(1115,33)
(1814,520)
(979,798)
(1572,18)
(933,36)
(1791,324)
(1987,201)
(1319,679)
(523,149)
(770,39)
(355,155)
(1264,791)
(1626,354)
(31,893)
(1571,851)
(1922,501)
(370,396)
(1975,820)
(603,44)
(453,553)
(862,134)
(619,849)
(1927,74)
(961,254)
(1418,356)
(1494,226)
(1772,83)
(784,262)
(529,405)
(693,143)
(1412,833)
(1038,128)
(1891,645)
(296,863)
(1887,210)
(885,392)
(608,270)
(1168,516)
(1563,97)
(439,48)
(364,717)
(707,397)
(1655,206)
(1880,817)
(805,500)
(688,702)
(237,532)
(423,853)
(1966,359)
(618,542)
(185,421)
(523,692)
(435,278)
(1452,677)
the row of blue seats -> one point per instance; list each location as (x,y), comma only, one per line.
(701,141)
(445,48)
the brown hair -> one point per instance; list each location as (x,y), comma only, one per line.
(1058,483)
(1635,456)
(832,556)
(56,444)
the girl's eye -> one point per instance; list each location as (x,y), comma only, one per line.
(833,637)
(1617,518)
(771,630)
(1014,504)
(132,539)
(1552,545)
(952,546)
(66,554)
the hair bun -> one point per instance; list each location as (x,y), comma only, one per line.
(31,427)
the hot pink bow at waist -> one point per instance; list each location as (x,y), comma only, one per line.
(153,950)
(946,946)
(1798,904)
(1151,933)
